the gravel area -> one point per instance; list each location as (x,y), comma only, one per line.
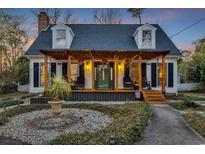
(167,126)
(37,127)
(10,141)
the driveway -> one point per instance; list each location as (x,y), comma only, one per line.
(168,127)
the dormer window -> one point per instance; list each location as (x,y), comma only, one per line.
(147,38)
(61,38)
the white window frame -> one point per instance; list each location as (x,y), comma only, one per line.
(69,36)
(138,34)
(59,38)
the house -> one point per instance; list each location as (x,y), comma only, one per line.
(103,61)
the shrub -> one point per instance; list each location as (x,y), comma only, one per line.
(22,70)
(3,119)
(8,88)
(190,103)
(59,88)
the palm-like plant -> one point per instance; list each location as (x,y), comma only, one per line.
(59,88)
(136,13)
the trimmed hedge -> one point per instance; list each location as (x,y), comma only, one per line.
(9,88)
(10,103)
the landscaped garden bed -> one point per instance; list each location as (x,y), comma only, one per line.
(193,112)
(197,121)
(80,123)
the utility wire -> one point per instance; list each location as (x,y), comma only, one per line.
(184,29)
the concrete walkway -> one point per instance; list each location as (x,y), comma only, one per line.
(168,127)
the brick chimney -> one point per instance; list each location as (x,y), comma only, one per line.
(43,21)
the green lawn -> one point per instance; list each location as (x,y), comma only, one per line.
(129,122)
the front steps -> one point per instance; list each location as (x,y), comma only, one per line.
(154,97)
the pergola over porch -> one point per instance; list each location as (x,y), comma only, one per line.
(99,55)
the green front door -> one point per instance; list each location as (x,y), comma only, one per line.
(103,76)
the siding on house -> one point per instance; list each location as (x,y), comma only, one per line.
(88,74)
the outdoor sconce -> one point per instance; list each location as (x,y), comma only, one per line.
(119,66)
(87,66)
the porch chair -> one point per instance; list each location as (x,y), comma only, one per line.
(80,83)
(128,82)
(146,84)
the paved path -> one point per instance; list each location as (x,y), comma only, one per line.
(167,126)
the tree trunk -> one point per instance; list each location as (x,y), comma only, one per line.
(140,19)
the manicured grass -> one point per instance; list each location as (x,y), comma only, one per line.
(129,122)
(196,121)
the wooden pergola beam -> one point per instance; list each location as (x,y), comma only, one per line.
(163,73)
(93,75)
(46,72)
(69,69)
(116,74)
(140,74)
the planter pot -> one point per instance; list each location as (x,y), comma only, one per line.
(56,106)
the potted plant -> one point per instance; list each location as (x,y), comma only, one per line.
(58,89)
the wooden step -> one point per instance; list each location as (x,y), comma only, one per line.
(154,97)
(157,102)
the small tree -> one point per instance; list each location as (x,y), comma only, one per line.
(107,16)
(22,70)
(136,13)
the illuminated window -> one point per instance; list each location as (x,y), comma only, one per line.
(159,70)
(42,75)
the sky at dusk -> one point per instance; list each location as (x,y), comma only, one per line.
(171,21)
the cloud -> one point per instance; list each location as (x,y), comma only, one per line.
(190,47)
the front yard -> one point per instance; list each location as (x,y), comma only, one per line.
(95,123)
(193,112)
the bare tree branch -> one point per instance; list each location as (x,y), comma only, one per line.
(107,16)
(53,14)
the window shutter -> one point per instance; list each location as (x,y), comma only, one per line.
(154,74)
(64,70)
(36,74)
(81,71)
(127,71)
(144,71)
(170,74)
(53,69)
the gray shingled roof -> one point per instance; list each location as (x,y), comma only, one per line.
(103,37)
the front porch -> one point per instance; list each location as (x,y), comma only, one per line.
(102,74)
